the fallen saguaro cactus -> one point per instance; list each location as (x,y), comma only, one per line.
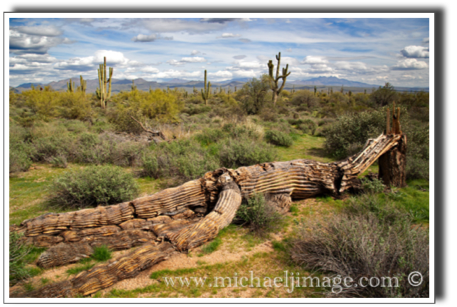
(105,275)
(186,216)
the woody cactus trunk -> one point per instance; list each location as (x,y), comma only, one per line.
(182,218)
(274,80)
(102,93)
(392,165)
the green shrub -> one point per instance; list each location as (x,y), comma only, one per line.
(59,161)
(417,151)
(308,126)
(373,186)
(75,126)
(184,159)
(19,157)
(101,253)
(350,129)
(278,138)
(245,152)
(18,251)
(261,217)
(209,136)
(52,146)
(96,185)
(241,131)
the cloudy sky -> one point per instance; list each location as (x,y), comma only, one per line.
(370,50)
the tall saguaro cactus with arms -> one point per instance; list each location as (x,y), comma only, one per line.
(206,91)
(102,93)
(274,80)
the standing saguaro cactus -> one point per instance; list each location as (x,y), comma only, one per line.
(70,87)
(274,80)
(101,92)
(206,91)
(82,84)
(315,90)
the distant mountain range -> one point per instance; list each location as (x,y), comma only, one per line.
(332,81)
(125,85)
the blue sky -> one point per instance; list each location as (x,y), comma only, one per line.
(369,50)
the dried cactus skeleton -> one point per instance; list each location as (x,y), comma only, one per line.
(184,217)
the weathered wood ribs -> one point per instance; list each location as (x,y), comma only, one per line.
(184,217)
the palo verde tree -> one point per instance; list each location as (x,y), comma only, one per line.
(275,79)
(102,93)
(384,96)
(252,95)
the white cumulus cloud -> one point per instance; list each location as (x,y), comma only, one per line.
(415,52)
(410,64)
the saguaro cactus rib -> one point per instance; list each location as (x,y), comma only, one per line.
(105,275)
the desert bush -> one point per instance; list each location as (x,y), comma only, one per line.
(20,149)
(209,136)
(192,109)
(325,121)
(91,186)
(269,114)
(308,126)
(384,95)
(101,125)
(156,105)
(372,186)
(74,126)
(184,159)
(122,121)
(306,99)
(23,116)
(350,129)
(44,103)
(74,105)
(417,151)
(245,152)
(346,136)
(18,251)
(127,153)
(417,168)
(52,146)
(101,253)
(59,161)
(251,131)
(19,161)
(252,96)
(260,216)
(366,244)
(278,138)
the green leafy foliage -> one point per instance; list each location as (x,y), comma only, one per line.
(244,152)
(253,95)
(97,185)
(261,217)
(278,138)
(185,159)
